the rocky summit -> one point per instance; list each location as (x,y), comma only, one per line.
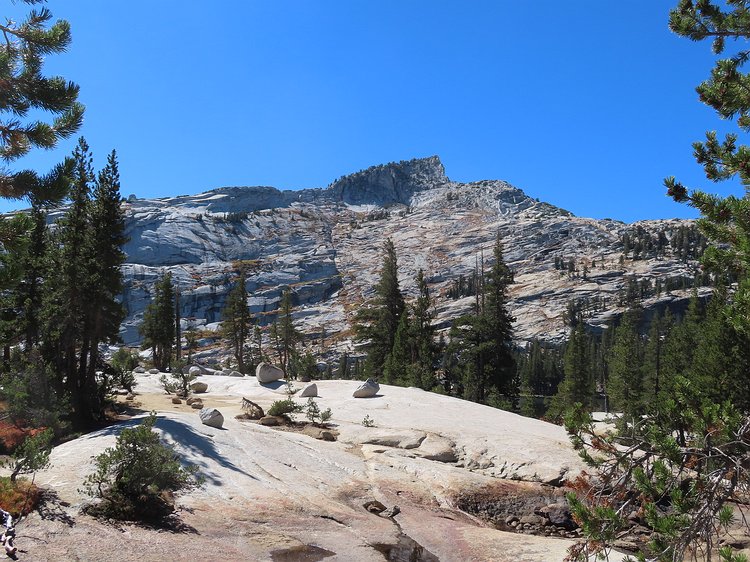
(325,244)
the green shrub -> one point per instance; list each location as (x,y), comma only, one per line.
(123,362)
(29,392)
(136,478)
(367,421)
(31,455)
(179,379)
(302,366)
(125,359)
(286,408)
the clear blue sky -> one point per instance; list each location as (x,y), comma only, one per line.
(587,105)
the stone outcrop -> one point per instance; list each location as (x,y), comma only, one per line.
(270,492)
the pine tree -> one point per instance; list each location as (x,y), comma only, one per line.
(236,321)
(680,345)
(103,311)
(287,335)
(67,324)
(14,258)
(654,381)
(28,295)
(687,509)
(482,343)
(377,323)
(158,323)
(424,349)
(24,94)
(625,366)
(721,362)
(578,384)
(398,365)
(191,343)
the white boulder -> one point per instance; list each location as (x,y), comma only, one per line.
(211,417)
(195,371)
(367,389)
(266,373)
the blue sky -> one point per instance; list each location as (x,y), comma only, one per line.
(587,105)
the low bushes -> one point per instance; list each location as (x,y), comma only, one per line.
(137,478)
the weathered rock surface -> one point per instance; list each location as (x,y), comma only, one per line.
(326,245)
(266,373)
(437,448)
(211,417)
(399,438)
(273,493)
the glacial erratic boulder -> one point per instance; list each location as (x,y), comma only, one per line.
(199,387)
(253,410)
(266,373)
(311,390)
(195,371)
(367,389)
(211,417)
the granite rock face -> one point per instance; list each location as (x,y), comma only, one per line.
(326,245)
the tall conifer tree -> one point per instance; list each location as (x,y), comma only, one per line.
(378,322)
(236,321)
(158,323)
(578,384)
(483,341)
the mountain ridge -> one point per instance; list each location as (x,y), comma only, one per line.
(325,244)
